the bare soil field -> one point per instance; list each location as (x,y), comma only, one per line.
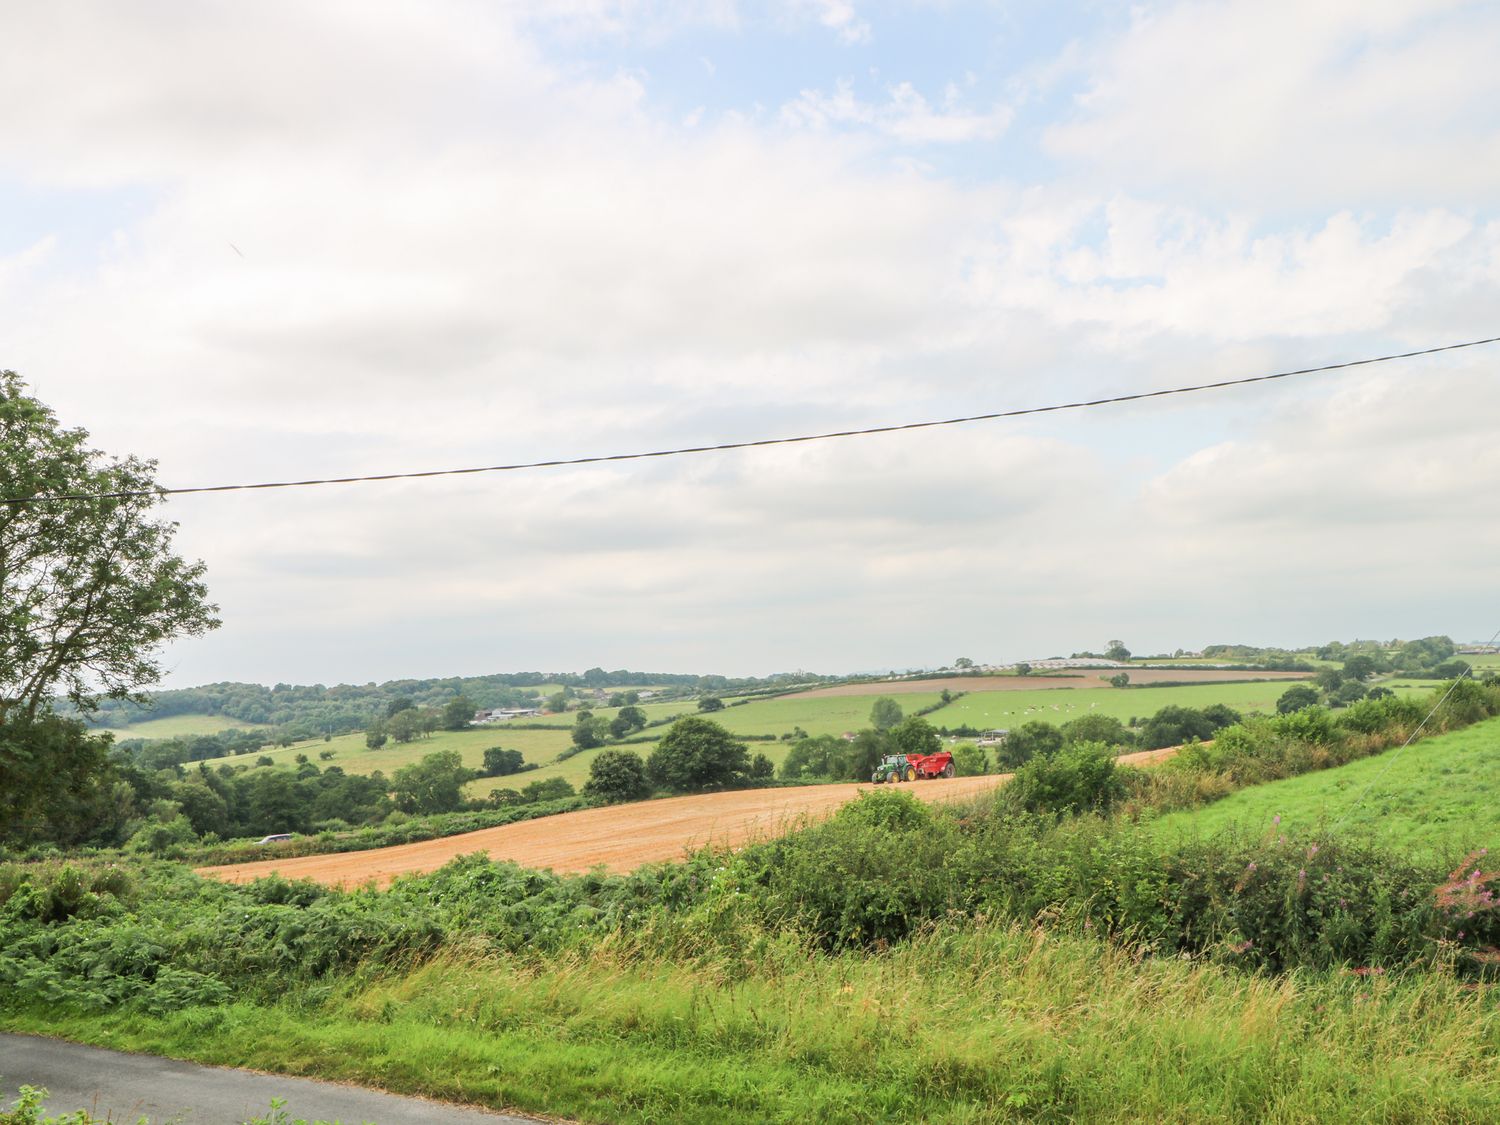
(619,838)
(1091,678)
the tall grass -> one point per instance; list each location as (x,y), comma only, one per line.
(973,1023)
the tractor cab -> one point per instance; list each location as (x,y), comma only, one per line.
(893,768)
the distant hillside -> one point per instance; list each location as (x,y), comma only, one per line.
(315,710)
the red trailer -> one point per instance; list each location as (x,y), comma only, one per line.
(932,765)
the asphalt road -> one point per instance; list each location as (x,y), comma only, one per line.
(125,1087)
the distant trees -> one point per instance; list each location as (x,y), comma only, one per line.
(457,713)
(916,736)
(501,763)
(1117,651)
(589,731)
(970,760)
(1023,669)
(695,755)
(616,776)
(376,737)
(433,785)
(1079,778)
(1172,726)
(963,664)
(628,719)
(885,713)
(403,726)
(822,756)
(710,703)
(1035,739)
(1097,728)
(1295,698)
(1120,680)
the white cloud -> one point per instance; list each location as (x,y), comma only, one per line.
(458,251)
(906,116)
(1283,103)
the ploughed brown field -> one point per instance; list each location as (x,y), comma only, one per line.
(1085,678)
(619,838)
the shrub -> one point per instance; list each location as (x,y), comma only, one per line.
(1078,778)
(616,776)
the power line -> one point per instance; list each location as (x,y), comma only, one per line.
(1396,753)
(755,444)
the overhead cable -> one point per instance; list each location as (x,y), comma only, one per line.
(754,444)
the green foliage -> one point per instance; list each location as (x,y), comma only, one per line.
(457,713)
(433,785)
(696,755)
(499,762)
(56,781)
(916,736)
(1097,728)
(1029,740)
(617,775)
(547,789)
(1295,698)
(710,703)
(885,713)
(92,588)
(1173,726)
(1081,777)
(970,760)
(589,731)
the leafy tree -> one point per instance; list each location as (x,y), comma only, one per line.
(963,663)
(815,757)
(710,703)
(863,754)
(56,779)
(885,713)
(762,768)
(1120,680)
(433,785)
(1350,691)
(1329,679)
(1172,726)
(633,716)
(551,789)
(697,754)
(1097,728)
(1079,778)
(970,760)
(616,776)
(457,713)
(1023,669)
(404,726)
(1116,650)
(1359,667)
(557,703)
(916,736)
(376,737)
(1035,739)
(502,763)
(399,704)
(589,731)
(1295,698)
(91,586)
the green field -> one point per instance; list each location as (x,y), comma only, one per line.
(1438,793)
(1007,709)
(351,754)
(177,726)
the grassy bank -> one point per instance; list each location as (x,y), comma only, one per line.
(1438,793)
(971,1024)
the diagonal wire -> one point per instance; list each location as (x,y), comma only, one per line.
(755,444)
(1391,760)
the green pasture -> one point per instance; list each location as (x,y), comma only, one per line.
(652,711)
(351,754)
(1438,793)
(177,726)
(1008,709)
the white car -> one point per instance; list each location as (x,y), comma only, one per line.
(276,837)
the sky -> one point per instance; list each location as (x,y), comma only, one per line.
(285,240)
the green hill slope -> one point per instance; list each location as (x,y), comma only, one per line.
(1440,793)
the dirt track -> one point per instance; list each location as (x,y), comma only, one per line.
(1082,678)
(620,837)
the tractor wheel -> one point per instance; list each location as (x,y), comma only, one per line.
(911,773)
(948,770)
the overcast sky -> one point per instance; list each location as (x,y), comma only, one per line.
(290,239)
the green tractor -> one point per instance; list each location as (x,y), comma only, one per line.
(893,768)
